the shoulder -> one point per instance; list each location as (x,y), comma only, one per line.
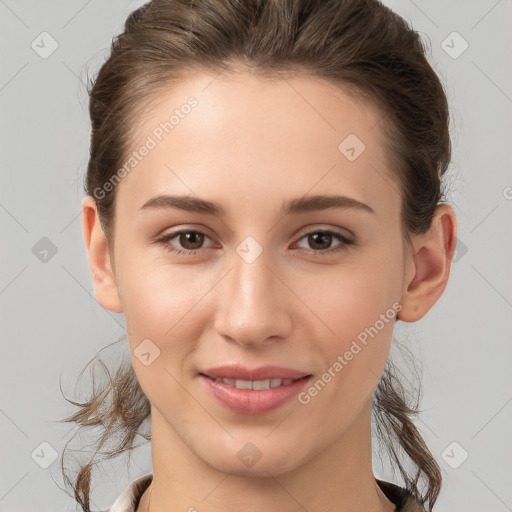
(402,498)
(128,500)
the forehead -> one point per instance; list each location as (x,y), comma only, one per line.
(243,133)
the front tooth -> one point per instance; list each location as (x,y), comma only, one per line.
(274,383)
(261,384)
(243,384)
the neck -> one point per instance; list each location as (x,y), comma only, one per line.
(339,478)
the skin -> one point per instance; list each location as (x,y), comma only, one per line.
(251,144)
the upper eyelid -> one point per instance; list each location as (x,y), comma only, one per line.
(344,232)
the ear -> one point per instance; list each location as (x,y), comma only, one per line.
(105,285)
(427,274)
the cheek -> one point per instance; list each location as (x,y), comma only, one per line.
(353,358)
(358,303)
(161,310)
(354,297)
(161,302)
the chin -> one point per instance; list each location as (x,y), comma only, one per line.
(251,459)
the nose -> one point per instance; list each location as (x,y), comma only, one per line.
(253,304)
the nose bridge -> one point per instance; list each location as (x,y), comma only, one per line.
(252,306)
(252,283)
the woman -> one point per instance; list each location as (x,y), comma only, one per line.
(263,204)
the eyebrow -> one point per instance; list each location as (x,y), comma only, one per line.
(300,205)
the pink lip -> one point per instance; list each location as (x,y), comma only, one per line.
(235,371)
(252,401)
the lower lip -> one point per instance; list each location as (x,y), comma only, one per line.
(253,401)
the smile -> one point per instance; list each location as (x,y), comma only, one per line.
(253,391)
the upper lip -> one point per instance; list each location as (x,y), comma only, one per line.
(236,371)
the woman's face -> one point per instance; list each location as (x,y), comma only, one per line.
(261,284)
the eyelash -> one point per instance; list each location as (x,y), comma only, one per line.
(343,246)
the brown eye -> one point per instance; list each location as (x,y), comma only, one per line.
(186,241)
(191,240)
(321,241)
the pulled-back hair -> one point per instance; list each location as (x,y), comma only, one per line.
(360,45)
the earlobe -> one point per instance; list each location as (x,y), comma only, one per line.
(430,265)
(105,286)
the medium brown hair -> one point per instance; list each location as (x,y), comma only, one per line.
(361,46)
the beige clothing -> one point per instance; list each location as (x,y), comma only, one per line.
(128,500)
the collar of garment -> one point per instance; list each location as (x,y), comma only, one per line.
(129,499)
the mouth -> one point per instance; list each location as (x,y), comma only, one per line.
(255,391)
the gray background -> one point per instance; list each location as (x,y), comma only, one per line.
(52,325)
